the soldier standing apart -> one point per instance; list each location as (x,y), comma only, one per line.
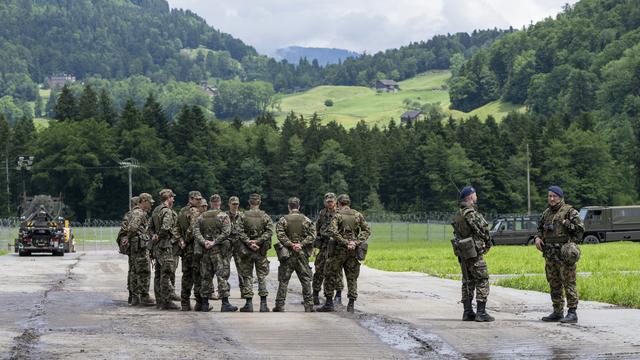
(472,240)
(124,247)
(258,228)
(321,243)
(186,219)
(295,234)
(138,237)
(164,223)
(212,233)
(559,229)
(349,232)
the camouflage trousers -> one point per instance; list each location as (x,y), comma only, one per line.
(261,265)
(212,264)
(141,272)
(190,277)
(562,281)
(225,274)
(300,264)
(341,259)
(476,281)
(130,278)
(164,270)
(319,272)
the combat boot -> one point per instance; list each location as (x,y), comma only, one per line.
(327,307)
(481,315)
(130,299)
(175,297)
(198,306)
(338,299)
(146,300)
(170,305)
(571,318)
(555,316)
(185,305)
(204,303)
(350,305)
(226,307)
(279,307)
(316,298)
(263,304)
(309,308)
(135,300)
(248,306)
(468,314)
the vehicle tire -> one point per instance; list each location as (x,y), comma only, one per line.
(22,253)
(590,239)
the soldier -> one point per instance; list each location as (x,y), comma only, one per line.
(138,238)
(559,228)
(124,248)
(322,240)
(348,232)
(197,259)
(295,234)
(212,233)
(472,240)
(237,238)
(258,228)
(164,222)
(187,217)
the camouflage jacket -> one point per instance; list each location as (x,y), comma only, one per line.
(126,219)
(164,223)
(550,226)
(347,225)
(138,228)
(258,226)
(186,218)
(295,228)
(237,235)
(213,225)
(468,222)
(322,227)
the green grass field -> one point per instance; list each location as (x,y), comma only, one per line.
(354,103)
(3,252)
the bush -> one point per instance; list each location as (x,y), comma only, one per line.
(328,103)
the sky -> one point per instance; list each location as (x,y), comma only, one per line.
(361,25)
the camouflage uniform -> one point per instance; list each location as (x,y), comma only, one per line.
(237,238)
(190,269)
(164,225)
(295,228)
(213,225)
(126,249)
(347,225)
(468,222)
(560,271)
(257,225)
(138,235)
(322,241)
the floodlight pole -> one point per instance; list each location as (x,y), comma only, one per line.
(129,163)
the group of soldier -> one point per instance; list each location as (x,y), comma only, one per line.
(207,239)
(559,229)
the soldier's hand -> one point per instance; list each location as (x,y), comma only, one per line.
(124,241)
(254,246)
(208,244)
(182,244)
(296,247)
(155,238)
(539,243)
(351,245)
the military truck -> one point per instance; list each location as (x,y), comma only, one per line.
(43,229)
(610,223)
(514,230)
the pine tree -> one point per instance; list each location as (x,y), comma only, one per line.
(88,104)
(106,112)
(153,115)
(65,108)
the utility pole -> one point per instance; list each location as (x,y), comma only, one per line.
(528,184)
(6,164)
(129,163)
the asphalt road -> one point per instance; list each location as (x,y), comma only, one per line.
(74,307)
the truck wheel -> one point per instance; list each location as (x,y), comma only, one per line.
(22,253)
(590,239)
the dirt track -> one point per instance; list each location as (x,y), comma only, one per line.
(75,307)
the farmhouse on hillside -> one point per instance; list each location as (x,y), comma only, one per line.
(410,116)
(57,81)
(387,85)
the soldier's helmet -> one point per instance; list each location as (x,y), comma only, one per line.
(344,199)
(203,203)
(570,253)
(195,195)
(294,202)
(165,194)
(329,196)
(215,198)
(255,196)
(234,200)
(135,200)
(146,197)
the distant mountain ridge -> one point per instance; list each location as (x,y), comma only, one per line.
(325,56)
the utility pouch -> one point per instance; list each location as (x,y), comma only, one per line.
(361,251)
(282,252)
(331,247)
(467,248)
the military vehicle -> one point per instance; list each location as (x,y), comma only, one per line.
(43,228)
(514,230)
(610,223)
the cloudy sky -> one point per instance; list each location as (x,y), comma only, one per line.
(361,25)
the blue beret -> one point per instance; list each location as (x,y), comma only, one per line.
(466,191)
(557,190)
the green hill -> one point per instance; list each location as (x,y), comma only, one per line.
(354,103)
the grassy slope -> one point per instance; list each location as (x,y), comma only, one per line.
(355,103)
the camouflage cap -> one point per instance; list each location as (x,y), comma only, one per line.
(294,201)
(165,194)
(255,196)
(203,202)
(215,198)
(329,196)
(344,199)
(146,197)
(135,200)
(570,253)
(195,195)
(234,200)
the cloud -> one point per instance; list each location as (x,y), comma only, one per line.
(361,25)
